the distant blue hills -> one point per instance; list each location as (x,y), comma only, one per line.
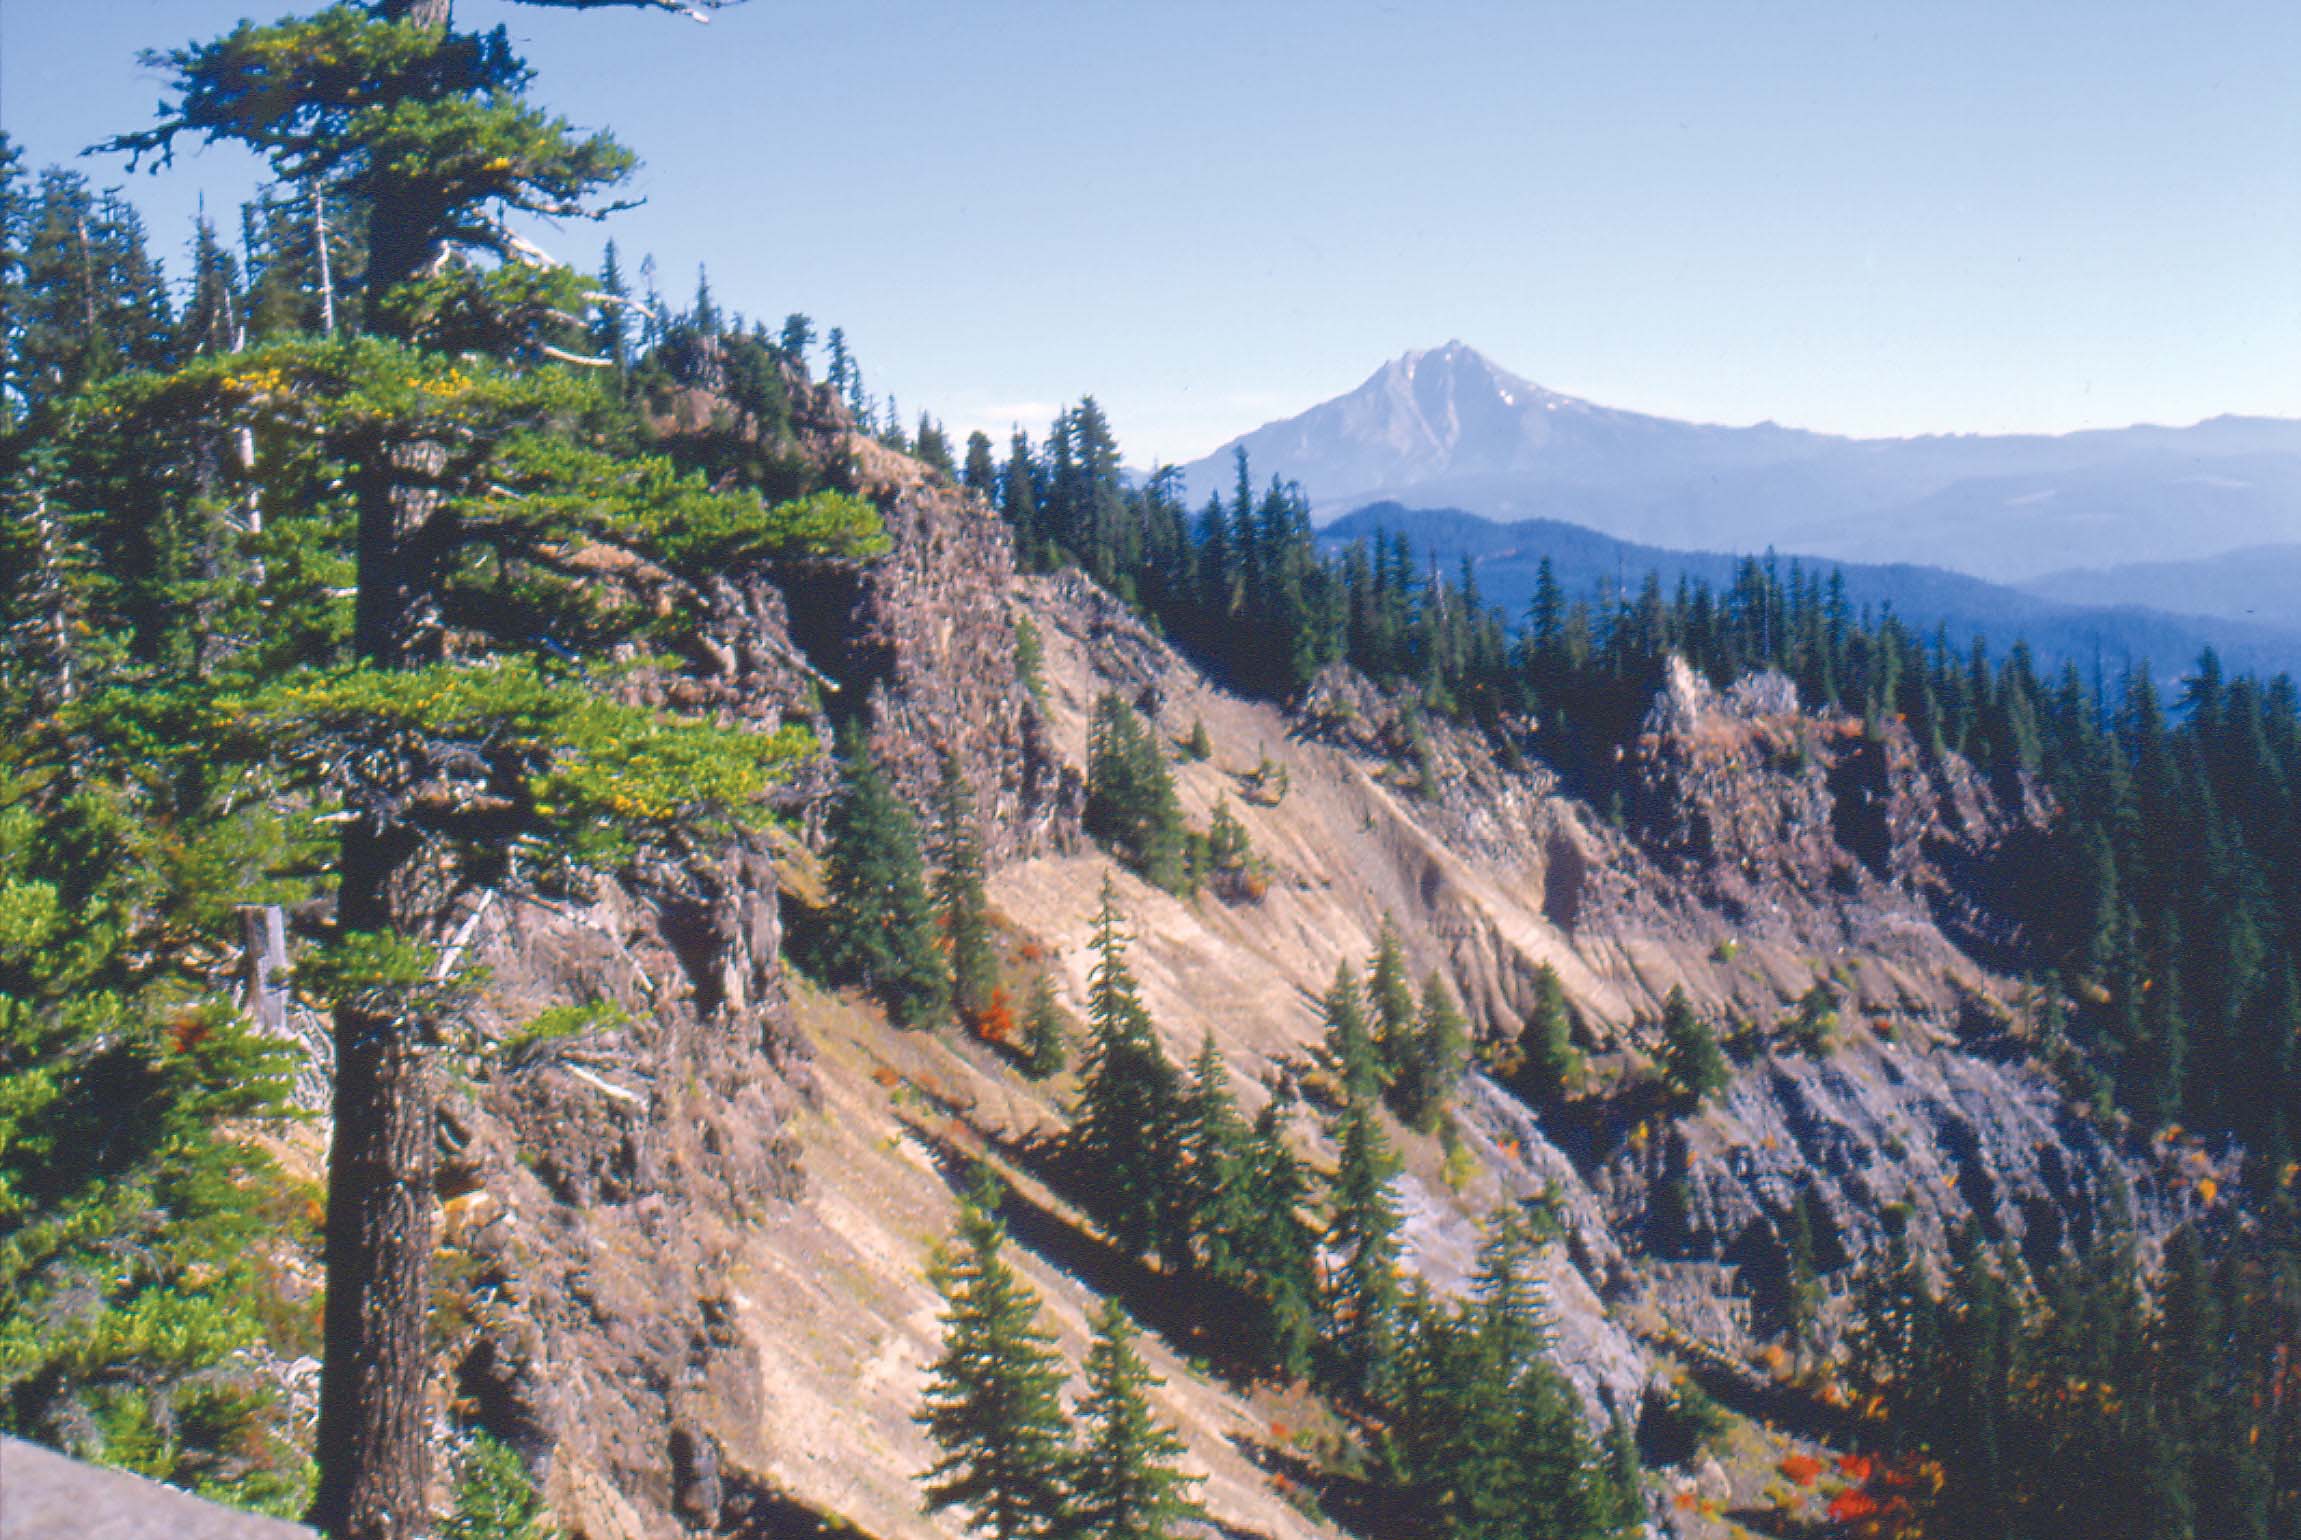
(1591,565)
(1448,428)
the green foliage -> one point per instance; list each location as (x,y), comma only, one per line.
(1046,1035)
(494,1497)
(1198,745)
(1812,1027)
(1390,997)
(1125,1484)
(1209,1192)
(960,903)
(1431,1061)
(1232,868)
(142,1231)
(1549,1065)
(1120,1148)
(1274,1254)
(1349,1046)
(1131,805)
(882,931)
(1694,1068)
(594,777)
(993,1404)
(1487,1438)
(2071,1404)
(1363,1295)
(554,1025)
(1030,658)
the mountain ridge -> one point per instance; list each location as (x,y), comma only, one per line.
(1448,426)
(1505,558)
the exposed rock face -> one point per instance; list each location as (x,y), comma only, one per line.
(602,1185)
(1765,848)
(1819,827)
(1913,1127)
(615,1197)
(601,1181)
(927,637)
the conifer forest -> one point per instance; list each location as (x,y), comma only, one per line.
(605,935)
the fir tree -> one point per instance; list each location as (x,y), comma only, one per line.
(611,327)
(1125,1482)
(1363,1292)
(1120,1148)
(1349,1046)
(796,337)
(1390,998)
(1276,1251)
(1210,1191)
(979,473)
(1551,1065)
(1131,803)
(1693,1066)
(993,1404)
(882,934)
(1434,1058)
(1046,1038)
(960,903)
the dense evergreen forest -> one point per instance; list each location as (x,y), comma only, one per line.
(2157,914)
(288,606)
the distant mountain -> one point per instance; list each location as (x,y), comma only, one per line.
(1446,427)
(2260,584)
(1505,558)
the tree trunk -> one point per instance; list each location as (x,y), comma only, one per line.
(374,1453)
(374,1414)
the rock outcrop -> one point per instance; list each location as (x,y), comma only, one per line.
(634,1234)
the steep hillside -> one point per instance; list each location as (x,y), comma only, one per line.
(687,1245)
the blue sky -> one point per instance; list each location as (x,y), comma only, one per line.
(1858,217)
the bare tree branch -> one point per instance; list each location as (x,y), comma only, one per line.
(565,357)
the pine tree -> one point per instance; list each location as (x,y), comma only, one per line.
(1210,1192)
(882,934)
(960,903)
(1363,1292)
(1131,804)
(993,1404)
(1120,1148)
(1693,1066)
(1434,1058)
(1390,999)
(1125,1483)
(1046,1039)
(1349,1046)
(1551,1065)
(429,130)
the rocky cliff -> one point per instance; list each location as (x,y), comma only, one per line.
(685,1236)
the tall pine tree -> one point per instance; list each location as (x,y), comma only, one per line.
(993,1404)
(1119,1152)
(882,934)
(1126,1484)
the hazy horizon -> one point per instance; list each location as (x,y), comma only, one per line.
(1976,219)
